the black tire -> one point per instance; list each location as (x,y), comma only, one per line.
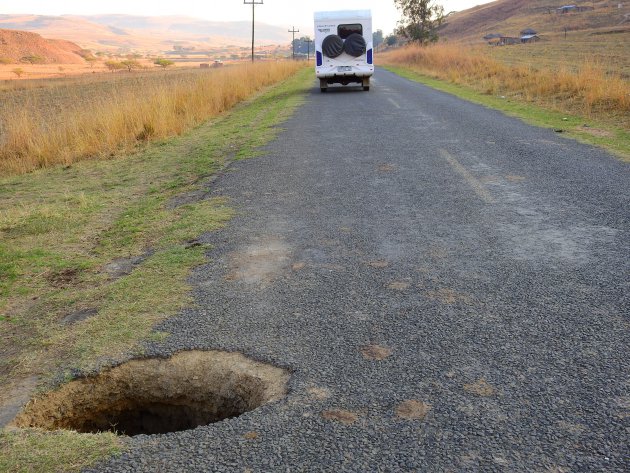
(332,46)
(324,90)
(366,88)
(355,45)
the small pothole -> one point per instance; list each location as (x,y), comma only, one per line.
(157,396)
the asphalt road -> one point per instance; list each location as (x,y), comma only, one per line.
(403,245)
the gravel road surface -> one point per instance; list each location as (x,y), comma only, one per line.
(448,286)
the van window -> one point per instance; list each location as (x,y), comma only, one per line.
(346,30)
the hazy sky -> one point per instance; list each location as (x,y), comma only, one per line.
(276,12)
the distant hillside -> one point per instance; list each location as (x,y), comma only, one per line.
(509,17)
(16,45)
(239,31)
(143,34)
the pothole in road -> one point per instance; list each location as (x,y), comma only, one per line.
(157,396)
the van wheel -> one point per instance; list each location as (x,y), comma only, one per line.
(324,90)
(366,88)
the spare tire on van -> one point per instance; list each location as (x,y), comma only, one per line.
(355,45)
(332,46)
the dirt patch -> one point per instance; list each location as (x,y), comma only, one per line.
(251,435)
(62,278)
(379,264)
(122,267)
(320,394)
(480,387)
(398,285)
(386,168)
(515,178)
(188,198)
(375,352)
(156,396)
(260,263)
(413,410)
(597,132)
(341,416)
(447,296)
(298,266)
(79,316)
(437,252)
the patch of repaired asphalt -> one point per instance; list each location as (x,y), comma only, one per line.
(543,323)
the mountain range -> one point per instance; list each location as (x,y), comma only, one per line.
(127,33)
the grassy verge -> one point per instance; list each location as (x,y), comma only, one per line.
(61,307)
(63,122)
(53,452)
(605,135)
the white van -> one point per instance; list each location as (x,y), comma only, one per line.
(343,48)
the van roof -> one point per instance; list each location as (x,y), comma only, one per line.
(343,15)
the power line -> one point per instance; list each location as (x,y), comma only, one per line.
(293,30)
(253,3)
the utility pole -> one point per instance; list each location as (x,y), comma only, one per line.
(308,45)
(293,30)
(253,3)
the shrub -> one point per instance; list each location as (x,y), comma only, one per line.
(114,65)
(33,59)
(164,63)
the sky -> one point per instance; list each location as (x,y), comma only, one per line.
(275,12)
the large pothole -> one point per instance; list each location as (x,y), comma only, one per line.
(157,396)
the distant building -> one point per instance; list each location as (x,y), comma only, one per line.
(508,40)
(573,9)
(530,38)
(492,36)
(528,31)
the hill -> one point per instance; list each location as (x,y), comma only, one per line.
(509,17)
(15,45)
(128,33)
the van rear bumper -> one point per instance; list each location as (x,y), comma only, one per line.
(341,75)
(336,72)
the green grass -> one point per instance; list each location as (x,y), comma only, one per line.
(615,140)
(33,450)
(60,227)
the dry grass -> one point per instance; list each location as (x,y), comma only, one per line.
(585,88)
(75,119)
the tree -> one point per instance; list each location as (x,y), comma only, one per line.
(91,60)
(421,19)
(391,40)
(114,65)
(131,64)
(163,63)
(301,45)
(377,38)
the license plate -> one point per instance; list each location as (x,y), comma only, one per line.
(344,68)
